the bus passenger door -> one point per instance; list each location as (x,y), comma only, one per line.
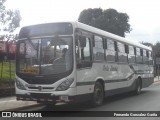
(84,64)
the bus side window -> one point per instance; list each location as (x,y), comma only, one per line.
(122,55)
(98,51)
(150,58)
(138,56)
(145,57)
(110,51)
(131,54)
(83,52)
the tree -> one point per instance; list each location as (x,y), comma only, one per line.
(9,20)
(156,49)
(147,44)
(90,15)
(108,20)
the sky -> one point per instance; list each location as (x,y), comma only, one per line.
(144,15)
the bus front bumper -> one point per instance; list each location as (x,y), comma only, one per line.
(47,97)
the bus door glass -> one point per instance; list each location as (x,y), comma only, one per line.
(83,52)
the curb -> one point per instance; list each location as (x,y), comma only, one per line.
(156,82)
(5,92)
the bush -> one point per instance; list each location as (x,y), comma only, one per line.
(7,73)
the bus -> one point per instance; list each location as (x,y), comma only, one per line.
(73,62)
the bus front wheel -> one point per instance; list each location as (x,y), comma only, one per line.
(98,94)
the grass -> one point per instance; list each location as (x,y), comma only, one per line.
(5,71)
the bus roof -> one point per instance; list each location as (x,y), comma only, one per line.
(102,33)
(109,35)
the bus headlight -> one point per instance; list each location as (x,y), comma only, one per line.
(19,85)
(65,85)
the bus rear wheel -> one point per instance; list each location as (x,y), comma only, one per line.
(98,94)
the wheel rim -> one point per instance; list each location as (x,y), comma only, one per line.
(98,95)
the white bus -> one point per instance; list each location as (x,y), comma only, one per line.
(71,61)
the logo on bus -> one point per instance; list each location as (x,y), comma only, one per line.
(110,68)
(40,88)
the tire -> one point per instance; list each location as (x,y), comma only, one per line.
(138,87)
(98,94)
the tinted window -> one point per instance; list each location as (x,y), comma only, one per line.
(121,47)
(145,58)
(45,56)
(138,51)
(131,55)
(139,55)
(83,52)
(131,50)
(144,53)
(110,45)
(150,58)
(98,51)
(110,52)
(122,56)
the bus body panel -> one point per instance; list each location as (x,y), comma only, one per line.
(117,77)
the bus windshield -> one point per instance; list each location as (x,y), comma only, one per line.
(45,56)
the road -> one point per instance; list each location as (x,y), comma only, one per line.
(148,100)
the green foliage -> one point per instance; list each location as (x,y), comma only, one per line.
(108,20)
(147,44)
(6,71)
(89,16)
(156,50)
(9,20)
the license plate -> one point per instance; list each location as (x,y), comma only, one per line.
(65,98)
